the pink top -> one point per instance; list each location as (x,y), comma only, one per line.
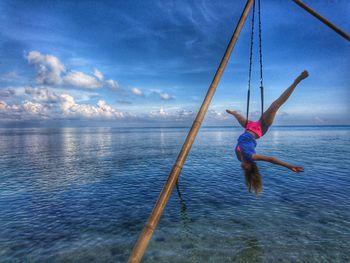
(254,126)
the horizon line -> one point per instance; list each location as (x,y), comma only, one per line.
(177,127)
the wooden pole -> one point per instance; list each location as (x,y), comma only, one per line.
(322,19)
(145,237)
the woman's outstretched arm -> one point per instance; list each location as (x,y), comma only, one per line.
(258,157)
(239,117)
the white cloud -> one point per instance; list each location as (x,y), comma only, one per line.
(41,103)
(33,108)
(165,96)
(162,112)
(49,68)
(137,92)
(112,84)
(4,107)
(184,113)
(98,74)
(100,110)
(7,93)
(214,115)
(50,71)
(178,115)
(79,79)
(105,109)
(67,103)
(42,95)
(158,113)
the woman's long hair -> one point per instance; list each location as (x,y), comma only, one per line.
(253,179)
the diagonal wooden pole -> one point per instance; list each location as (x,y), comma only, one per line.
(322,19)
(145,236)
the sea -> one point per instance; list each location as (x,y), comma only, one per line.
(85,194)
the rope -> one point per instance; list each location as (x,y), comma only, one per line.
(250,64)
(261,65)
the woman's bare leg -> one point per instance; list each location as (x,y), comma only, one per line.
(240,118)
(270,113)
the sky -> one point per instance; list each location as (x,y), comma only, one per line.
(150,63)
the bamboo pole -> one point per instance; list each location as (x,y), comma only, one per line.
(145,236)
(322,19)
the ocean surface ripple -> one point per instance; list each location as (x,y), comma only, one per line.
(84,195)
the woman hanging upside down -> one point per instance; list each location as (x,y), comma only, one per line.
(245,149)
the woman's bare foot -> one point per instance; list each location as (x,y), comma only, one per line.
(303,75)
(231,112)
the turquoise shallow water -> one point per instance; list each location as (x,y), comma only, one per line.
(83,195)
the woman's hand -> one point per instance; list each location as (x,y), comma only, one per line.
(297,169)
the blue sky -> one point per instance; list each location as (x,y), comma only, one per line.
(149,63)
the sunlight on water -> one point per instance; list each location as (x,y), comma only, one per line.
(84,194)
